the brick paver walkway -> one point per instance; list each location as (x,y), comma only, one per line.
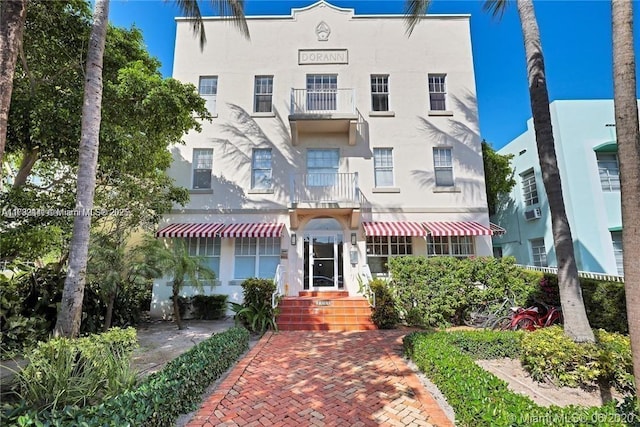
(305,378)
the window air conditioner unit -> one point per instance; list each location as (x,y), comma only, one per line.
(532,214)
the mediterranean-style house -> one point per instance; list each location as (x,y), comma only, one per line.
(587,152)
(336,143)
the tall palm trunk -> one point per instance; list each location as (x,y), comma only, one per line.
(628,136)
(575,316)
(13,14)
(70,312)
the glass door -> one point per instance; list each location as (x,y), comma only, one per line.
(323,267)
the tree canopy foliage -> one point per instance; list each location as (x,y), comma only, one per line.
(498,175)
(143,114)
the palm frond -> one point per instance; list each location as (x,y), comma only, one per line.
(190,9)
(234,9)
(496,7)
(414,11)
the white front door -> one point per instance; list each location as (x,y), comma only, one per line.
(323,266)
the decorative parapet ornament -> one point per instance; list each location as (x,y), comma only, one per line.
(323,31)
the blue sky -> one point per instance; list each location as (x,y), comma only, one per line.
(576,39)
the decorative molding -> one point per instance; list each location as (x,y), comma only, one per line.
(323,31)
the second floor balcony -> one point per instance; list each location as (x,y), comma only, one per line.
(326,110)
(321,192)
(325,189)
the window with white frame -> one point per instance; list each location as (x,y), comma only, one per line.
(208,89)
(202,168)
(263,94)
(529,188)
(616,238)
(322,167)
(256,257)
(538,253)
(208,248)
(261,170)
(609,171)
(381,248)
(443,166)
(379,92)
(383,166)
(437,92)
(456,246)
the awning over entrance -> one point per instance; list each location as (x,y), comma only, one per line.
(256,229)
(457,228)
(395,228)
(496,230)
(190,230)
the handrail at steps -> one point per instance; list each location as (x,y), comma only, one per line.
(278,282)
(365,288)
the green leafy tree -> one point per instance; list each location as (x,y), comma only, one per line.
(144,114)
(628,137)
(69,324)
(171,258)
(498,175)
(576,323)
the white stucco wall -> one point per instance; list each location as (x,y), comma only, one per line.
(375,45)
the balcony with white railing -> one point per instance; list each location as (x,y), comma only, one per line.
(315,111)
(338,192)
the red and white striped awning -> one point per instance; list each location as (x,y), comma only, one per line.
(457,228)
(256,229)
(394,228)
(496,230)
(190,230)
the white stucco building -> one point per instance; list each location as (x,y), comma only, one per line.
(336,143)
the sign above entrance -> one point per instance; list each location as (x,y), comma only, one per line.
(322,56)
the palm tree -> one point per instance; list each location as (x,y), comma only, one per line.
(171,258)
(576,323)
(628,137)
(70,310)
(13,14)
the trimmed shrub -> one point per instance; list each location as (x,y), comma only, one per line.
(385,314)
(479,399)
(549,354)
(257,291)
(210,307)
(256,313)
(438,291)
(159,399)
(485,344)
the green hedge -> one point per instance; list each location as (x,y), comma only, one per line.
(604,301)
(480,399)
(210,307)
(437,291)
(159,399)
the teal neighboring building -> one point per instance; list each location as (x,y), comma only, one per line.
(585,141)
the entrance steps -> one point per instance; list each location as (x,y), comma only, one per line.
(324,311)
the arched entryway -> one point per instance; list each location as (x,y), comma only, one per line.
(323,255)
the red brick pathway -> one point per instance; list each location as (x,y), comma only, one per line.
(304,378)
